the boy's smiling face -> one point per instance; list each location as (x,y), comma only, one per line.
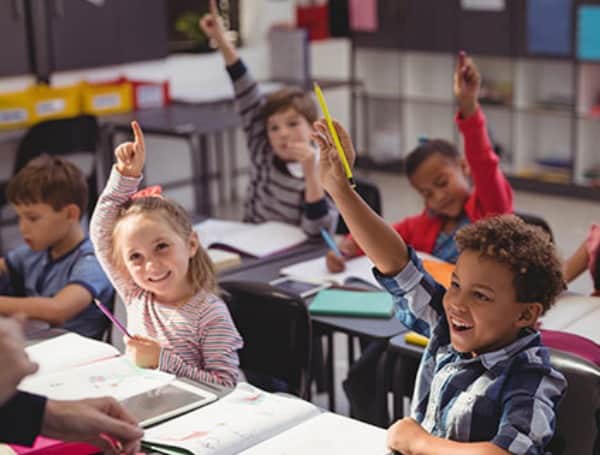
(481,306)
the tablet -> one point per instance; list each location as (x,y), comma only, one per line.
(166,402)
(299,287)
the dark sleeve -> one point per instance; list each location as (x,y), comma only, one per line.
(21,418)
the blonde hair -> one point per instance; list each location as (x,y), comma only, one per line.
(201,271)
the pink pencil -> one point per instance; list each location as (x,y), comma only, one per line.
(112,317)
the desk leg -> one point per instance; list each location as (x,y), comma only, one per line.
(350,350)
(330,371)
(233,167)
(221,172)
(199,150)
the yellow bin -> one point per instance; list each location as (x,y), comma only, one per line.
(15,110)
(107,98)
(55,102)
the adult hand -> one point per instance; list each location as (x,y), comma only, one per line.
(102,422)
(13,357)
(131,156)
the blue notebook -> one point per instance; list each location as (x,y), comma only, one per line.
(338,302)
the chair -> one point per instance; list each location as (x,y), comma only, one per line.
(578,423)
(277,333)
(67,136)
(536,220)
(370,194)
(70,136)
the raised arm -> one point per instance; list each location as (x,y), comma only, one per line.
(378,240)
(122,184)
(493,190)
(212,26)
(576,264)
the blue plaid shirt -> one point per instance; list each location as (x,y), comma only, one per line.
(508,397)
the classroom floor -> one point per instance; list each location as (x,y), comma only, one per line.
(568,218)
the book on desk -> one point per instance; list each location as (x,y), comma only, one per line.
(256,240)
(360,270)
(251,421)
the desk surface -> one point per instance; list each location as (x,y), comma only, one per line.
(268,270)
(177,119)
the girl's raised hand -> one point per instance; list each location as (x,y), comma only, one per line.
(211,24)
(131,156)
(467,82)
(331,170)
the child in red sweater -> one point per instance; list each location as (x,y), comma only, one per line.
(437,171)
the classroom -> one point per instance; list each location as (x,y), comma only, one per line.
(300,226)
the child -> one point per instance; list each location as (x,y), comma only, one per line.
(586,256)
(149,250)
(55,276)
(437,172)
(485,384)
(284,184)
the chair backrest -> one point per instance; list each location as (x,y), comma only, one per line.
(578,423)
(370,194)
(62,137)
(536,220)
(277,332)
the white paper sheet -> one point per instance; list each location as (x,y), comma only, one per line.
(68,350)
(257,240)
(326,434)
(236,422)
(316,270)
(117,377)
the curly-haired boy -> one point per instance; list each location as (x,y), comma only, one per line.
(485,384)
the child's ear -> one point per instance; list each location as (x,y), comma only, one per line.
(530,314)
(194,243)
(73,212)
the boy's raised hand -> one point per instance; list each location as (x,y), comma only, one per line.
(467,82)
(211,23)
(131,156)
(333,177)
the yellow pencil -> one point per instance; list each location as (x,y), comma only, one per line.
(336,139)
(416,339)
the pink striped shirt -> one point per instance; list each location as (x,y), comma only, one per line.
(199,340)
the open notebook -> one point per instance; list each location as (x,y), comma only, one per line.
(360,269)
(258,240)
(251,421)
(74,367)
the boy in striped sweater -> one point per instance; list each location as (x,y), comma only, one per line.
(284,184)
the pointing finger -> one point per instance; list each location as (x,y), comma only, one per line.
(137,134)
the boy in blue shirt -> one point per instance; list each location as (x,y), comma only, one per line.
(485,385)
(55,276)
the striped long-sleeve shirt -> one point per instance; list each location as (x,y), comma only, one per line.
(273,193)
(508,397)
(199,340)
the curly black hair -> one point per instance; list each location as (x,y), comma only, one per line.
(525,249)
(429,148)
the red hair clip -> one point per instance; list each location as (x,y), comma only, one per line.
(150,191)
